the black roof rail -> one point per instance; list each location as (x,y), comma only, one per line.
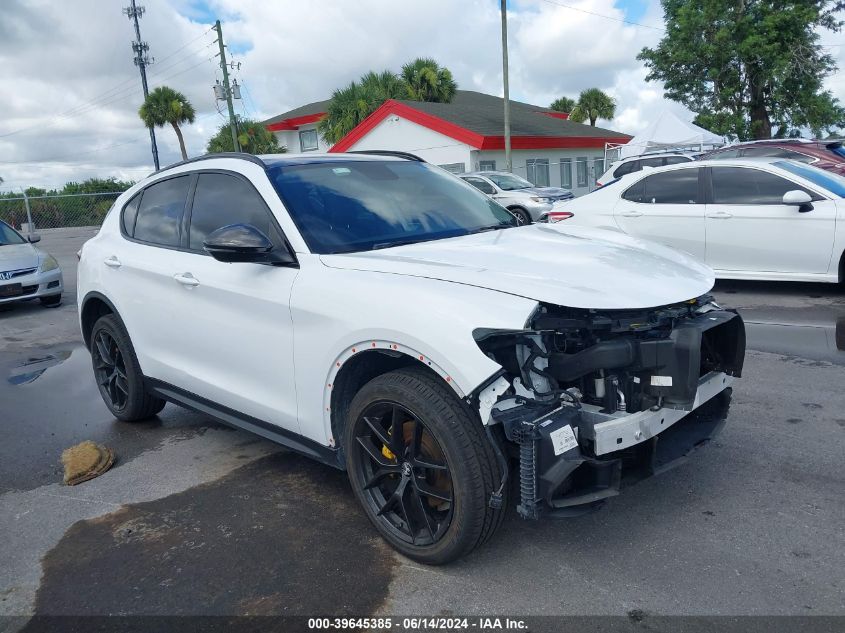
(388,152)
(242,155)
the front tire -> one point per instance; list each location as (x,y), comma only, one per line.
(118,373)
(421,466)
(521,214)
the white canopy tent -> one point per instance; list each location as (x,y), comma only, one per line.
(668,132)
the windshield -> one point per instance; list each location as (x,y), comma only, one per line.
(352,206)
(833,183)
(8,235)
(509,182)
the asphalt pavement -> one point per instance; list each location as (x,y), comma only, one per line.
(196,518)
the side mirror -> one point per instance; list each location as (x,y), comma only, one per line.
(243,243)
(32,238)
(800,199)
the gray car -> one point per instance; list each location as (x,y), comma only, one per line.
(27,272)
(519,196)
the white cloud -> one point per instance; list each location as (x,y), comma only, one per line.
(74,58)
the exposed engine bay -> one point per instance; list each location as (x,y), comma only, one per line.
(584,393)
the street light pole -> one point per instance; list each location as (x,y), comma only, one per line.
(508,164)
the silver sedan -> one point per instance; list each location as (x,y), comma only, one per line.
(27,272)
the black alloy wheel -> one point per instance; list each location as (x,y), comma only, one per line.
(404,474)
(110,371)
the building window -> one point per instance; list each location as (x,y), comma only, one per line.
(581,171)
(538,171)
(308,140)
(487,165)
(455,168)
(598,168)
(566,173)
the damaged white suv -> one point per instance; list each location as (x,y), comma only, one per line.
(378,314)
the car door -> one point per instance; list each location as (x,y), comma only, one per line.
(750,229)
(138,271)
(231,330)
(665,207)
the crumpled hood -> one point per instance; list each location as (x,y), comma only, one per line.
(577,267)
(17,256)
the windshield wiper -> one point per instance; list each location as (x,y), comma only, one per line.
(381,245)
(494,227)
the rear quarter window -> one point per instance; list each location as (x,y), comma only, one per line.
(160,212)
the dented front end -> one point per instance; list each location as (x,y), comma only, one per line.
(591,400)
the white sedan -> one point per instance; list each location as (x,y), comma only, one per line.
(747,218)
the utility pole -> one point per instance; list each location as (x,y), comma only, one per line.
(508,163)
(142,60)
(226,88)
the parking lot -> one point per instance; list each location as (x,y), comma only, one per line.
(196,518)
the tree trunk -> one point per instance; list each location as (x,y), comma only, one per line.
(593,121)
(761,124)
(181,140)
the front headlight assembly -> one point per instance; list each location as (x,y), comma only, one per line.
(49,264)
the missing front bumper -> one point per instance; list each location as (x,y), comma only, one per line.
(561,477)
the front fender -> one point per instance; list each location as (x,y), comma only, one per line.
(338,313)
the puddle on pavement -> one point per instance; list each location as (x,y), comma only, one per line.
(814,342)
(49,401)
(282,535)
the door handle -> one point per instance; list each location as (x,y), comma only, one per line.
(720,215)
(187,279)
(631,214)
(112,262)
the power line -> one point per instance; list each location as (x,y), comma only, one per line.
(606,17)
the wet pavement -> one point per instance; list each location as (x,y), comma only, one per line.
(198,518)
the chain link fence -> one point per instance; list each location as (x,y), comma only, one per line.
(31,213)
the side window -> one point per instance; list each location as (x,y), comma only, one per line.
(308,140)
(221,200)
(487,165)
(801,158)
(636,192)
(130,212)
(671,187)
(627,168)
(737,185)
(481,185)
(581,171)
(160,212)
(538,171)
(657,161)
(675,160)
(728,153)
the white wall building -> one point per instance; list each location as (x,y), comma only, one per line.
(467,135)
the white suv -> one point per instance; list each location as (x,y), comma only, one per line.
(382,316)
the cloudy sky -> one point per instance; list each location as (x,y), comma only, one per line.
(71,92)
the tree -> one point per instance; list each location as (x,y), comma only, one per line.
(355,102)
(165,105)
(593,104)
(252,135)
(749,68)
(563,104)
(426,80)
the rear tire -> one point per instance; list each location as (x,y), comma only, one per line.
(51,302)
(521,214)
(118,373)
(426,488)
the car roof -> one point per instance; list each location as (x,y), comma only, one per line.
(488,173)
(654,155)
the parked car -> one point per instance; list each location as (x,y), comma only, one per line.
(632,164)
(746,218)
(377,314)
(27,272)
(526,201)
(827,155)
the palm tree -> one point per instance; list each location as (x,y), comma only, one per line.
(563,104)
(593,104)
(253,137)
(355,102)
(426,80)
(165,105)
